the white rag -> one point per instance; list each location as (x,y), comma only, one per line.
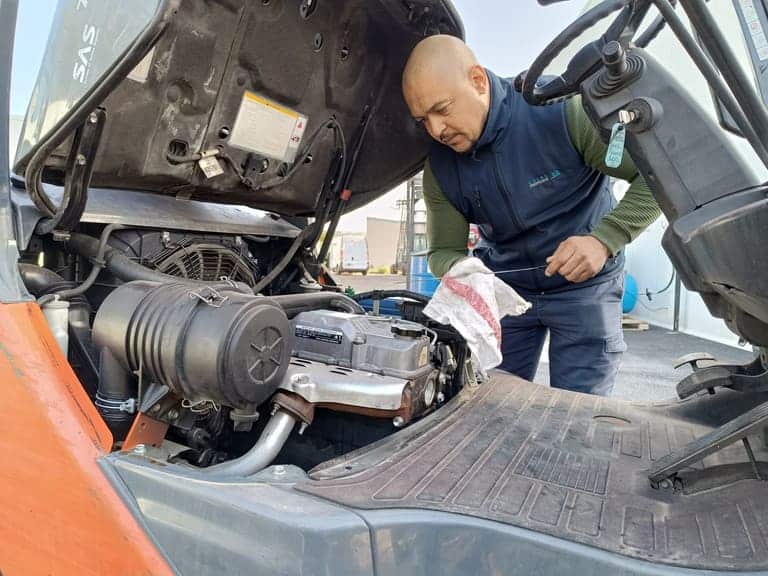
(473,300)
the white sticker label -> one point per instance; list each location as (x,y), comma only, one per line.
(267,128)
(141,72)
(760,41)
(750,14)
(210,166)
(755,27)
(424,356)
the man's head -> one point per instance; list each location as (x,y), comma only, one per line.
(447,89)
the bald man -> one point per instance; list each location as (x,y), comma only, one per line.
(534,180)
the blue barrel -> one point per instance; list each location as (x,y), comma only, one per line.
(420,279)
(630,294)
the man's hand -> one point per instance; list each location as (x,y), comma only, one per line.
(578,258)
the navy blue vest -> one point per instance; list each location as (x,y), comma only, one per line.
(527,189)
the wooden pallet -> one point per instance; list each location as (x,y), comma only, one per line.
(630,323)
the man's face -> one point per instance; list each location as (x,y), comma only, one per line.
(453,110)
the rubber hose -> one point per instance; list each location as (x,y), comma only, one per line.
(384,294)
(293,304)
(40,281)
(116,387)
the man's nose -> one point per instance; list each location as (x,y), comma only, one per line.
(435,127)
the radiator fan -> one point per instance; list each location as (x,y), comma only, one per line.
(207,262)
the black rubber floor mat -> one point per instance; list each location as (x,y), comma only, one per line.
(573,466)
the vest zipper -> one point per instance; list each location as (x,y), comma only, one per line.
(505,193)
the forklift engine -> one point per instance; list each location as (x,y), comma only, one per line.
(216,348)
(194,311)
(384,360)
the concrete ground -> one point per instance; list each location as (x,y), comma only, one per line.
(647,373)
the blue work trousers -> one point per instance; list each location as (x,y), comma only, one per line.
(585,337)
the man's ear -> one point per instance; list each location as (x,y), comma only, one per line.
(479,79)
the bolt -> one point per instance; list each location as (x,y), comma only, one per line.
(666,484)
(275,408)
(80,160)
(440,398)
(173,414)
(398,422)
(93,118)
(279,470)
(140,450)
(155,409)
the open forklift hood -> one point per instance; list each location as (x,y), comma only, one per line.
(246,82)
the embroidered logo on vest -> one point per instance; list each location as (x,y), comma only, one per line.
(544,178)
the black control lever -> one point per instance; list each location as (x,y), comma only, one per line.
(615,59)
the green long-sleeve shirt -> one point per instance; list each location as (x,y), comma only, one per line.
(447,229)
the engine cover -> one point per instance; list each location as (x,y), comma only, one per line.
(376,344)
(372,365)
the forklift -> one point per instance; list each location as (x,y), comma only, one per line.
(500,477)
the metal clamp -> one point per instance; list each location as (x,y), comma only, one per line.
(210,296)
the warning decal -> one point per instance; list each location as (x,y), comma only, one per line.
(756,31)
(267,128)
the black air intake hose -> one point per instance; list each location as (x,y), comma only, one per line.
(40,281)
(127,270)
(116,390)
(294,304)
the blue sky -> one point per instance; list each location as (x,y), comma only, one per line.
(32,28)
(506,35)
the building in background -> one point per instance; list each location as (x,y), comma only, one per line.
(381,234)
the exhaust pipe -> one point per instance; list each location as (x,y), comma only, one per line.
(262,454)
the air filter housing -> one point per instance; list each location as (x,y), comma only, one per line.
(209,343)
